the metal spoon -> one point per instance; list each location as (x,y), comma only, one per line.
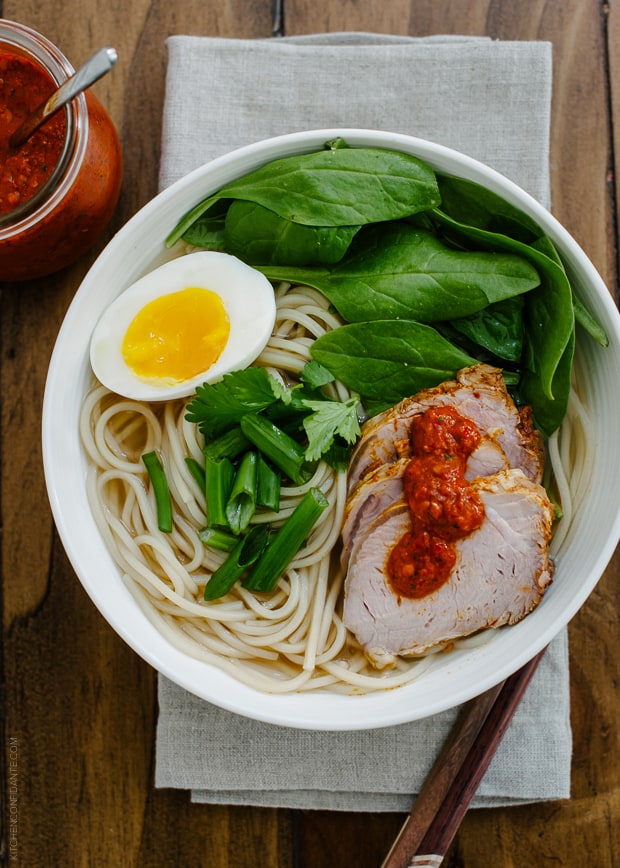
(90,72)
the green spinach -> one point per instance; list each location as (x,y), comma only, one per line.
(471,203)
(261,237)
(548,414)
(397,271)
(498,328)
(582,314)
(208,232)
(549,318)
(337,186)
(387,360)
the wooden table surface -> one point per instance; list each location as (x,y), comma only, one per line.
(79,707)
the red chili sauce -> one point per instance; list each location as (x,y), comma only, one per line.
(23,87)
(444,507)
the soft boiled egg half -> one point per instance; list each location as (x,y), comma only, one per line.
(188,322)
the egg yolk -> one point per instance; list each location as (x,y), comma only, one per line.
(177,336)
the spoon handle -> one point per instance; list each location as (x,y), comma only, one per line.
(90,72)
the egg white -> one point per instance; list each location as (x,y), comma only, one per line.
(248,299)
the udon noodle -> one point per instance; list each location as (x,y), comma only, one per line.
(292,639)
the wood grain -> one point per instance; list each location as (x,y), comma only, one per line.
(79,707)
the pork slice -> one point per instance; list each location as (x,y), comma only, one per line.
(478,393)
(371,497)
(376,491)
(486,459)
(501,573)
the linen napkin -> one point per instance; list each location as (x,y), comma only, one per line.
(490,100)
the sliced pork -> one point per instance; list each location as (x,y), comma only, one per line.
(376,491)
(480,394)
(421,573)
(501,572)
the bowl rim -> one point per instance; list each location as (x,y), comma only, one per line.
(306,711)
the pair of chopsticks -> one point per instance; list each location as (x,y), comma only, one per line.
(457,772)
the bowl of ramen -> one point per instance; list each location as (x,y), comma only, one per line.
(330,430)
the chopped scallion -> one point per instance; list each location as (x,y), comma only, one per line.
(163,501)
(197,472)
(241,504)
(228,445)
(247,550)
(219,478)
(217,539)
(268,486)
(277,446)
(287,542)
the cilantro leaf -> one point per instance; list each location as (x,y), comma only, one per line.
(282,392)
(315,375)
(219,406)
(327,419)
(328,425)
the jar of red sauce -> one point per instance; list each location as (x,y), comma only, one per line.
(58,190)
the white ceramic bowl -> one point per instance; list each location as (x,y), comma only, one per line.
(455,677)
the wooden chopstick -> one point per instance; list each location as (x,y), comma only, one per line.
(437,785)
(457,772)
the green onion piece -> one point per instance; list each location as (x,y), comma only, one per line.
(163,501)
(247,550)
(197,472)
(228,445)
(281,449)
(287,542)
(217,539)
(219,477)
(241,504)
(268,486)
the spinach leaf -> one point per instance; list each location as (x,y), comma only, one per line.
(582,314)
(546,246)
(332,187)
(208,233)
(587,321)
(396,271)
(548,316)
(498,328)
(387,360)
(548,414)
(258,235)
(471,203)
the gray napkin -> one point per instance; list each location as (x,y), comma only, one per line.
(490,100)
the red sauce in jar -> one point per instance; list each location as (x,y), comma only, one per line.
(70,170)
(23,87)
(444,507)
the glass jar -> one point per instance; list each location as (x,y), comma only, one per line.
(55,225)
